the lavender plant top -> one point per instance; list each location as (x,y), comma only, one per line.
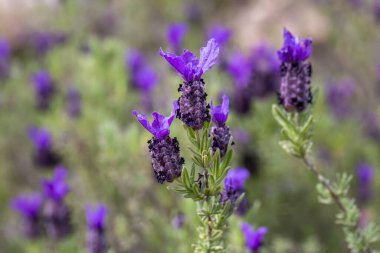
(188,66)
(235,179)
(96,218)
(56,188)
(219,113)
(240,69)
(43,83)
(41,138)
(221,34)
(5,50)
(253,239)
(160,126)
(264,58)
(175,34)
(28,205)
(365,174)
(294,50)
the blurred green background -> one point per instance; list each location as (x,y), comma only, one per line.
(105,149)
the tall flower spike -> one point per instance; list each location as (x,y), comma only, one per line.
(234,187)
(175,34)
(44,154)
(295,92)
(56,213)
(253,239)
(220,132)
(44,89)
(164,150)
(96,240)
(29,206)
(193,108)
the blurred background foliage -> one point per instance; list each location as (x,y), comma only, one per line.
(105,148)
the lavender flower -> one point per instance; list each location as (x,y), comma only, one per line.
(179,220)
(5,53)
(234,187)
(376,10)
(193,108)
(295,92)
(365,174)
(339,98)
(220,132)
(44,154)
(221,34)
(164,150)
(29,206)
(44,89)
(73,102)
(42,42)
(240,69)
(253,239)
(56,213)
(265,79)
(174,35)
(96,236)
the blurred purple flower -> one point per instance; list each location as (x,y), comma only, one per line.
(376,10)
(42,42)
(193,12)
(174,35)
(44,154)
(253,239)
(240,68)
(29,206)
(44,89)
(188,66)
(96,240)
(5,64)
(339,98)
(294,50)
(56,188)
(179,220)
(221,34)
(365,174)
(73,102)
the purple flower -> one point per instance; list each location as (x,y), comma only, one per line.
(294,50)
(376,10)
(339,98)
(29,206)
(5,53)
(240,68)
(160,126)
(96,218)
(44,89)
(175,34)
(44,154)
(253,239)
(179,220)
(56,188)
(74,102)
(42,42)
(221,34)
(235,179)
(219,113)
(188,66)
(365,174)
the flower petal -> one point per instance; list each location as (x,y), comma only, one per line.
(208,57)
(144,121)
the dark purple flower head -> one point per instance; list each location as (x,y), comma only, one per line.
(44,89)
(74,101)
(5,50)
(175,34)
(189,66)
(219,113)
(29,206)
(235,179)
(365,174)
(41,138)
(134,60)
(221,34)
(160,126)
(240,69)
(253,239)
(294,50)
(56,188)
(96,218)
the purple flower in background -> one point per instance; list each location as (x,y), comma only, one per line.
(73,102)
(253,239)
(175,34)
(221,34)
(220,133)
(365,174)
(5,53)
(193,13)
(56,213)
(179,220)
(96,240)
(234,187)
(295,92)
(265,79)
(44,154)
(193,108)
(42,42)
(44,89)
(29,206)
(339,98)
(376,10)
(164,150)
